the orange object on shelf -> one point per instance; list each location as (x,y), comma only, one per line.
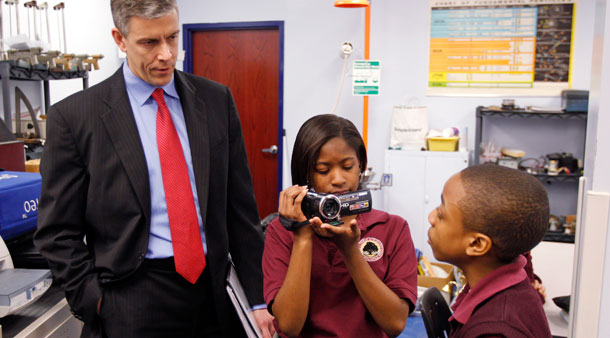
(32,166)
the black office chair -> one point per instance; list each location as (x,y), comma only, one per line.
(435,312)
(265,221)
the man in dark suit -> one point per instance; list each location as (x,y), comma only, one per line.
(145,191)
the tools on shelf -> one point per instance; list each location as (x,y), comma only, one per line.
(35,50)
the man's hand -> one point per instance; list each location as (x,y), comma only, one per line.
(265,322)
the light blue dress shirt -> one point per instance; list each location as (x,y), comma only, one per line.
(144,109)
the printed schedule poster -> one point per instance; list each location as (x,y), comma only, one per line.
(500,47)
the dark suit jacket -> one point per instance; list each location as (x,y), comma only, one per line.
(95,184)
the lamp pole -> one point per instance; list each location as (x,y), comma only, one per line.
(367,32)
(365,98)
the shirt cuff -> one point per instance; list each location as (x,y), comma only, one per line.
(259,307)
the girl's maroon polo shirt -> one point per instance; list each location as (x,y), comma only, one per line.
(336,309)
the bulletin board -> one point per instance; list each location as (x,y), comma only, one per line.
(500,47)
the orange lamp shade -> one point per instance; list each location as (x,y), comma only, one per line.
(351,3)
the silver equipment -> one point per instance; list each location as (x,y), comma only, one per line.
(60,8)
(10,4)
(1,35)
(31,11)
(45,6)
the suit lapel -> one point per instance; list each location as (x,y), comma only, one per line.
(196,120)
(120,124)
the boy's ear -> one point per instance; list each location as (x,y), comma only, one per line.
(478,244)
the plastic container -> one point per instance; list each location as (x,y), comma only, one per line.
(443,143)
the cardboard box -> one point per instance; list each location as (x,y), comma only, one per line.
(439,283)
(32,166)
(443,143)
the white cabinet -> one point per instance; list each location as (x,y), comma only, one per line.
(418,181)
(553,262)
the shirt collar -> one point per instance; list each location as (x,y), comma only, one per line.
(496,281)
(368,219)
(141,90)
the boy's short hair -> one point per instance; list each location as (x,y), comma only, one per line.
(509,206)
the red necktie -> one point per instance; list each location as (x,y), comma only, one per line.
(184,226)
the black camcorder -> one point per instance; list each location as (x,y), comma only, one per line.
(330,208)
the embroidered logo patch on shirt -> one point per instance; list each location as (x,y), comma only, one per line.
(371,248)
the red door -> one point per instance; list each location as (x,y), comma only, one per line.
(247,60)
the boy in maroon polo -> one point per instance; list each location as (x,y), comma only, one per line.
(489,216)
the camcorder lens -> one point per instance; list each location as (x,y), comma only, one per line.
(330,208)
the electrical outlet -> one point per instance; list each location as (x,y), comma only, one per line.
(347,48)
(386,180)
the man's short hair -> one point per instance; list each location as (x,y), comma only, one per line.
(509,206)
(123,10)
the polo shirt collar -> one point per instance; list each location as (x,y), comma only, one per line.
(141,90)
(496,281)
(368,219)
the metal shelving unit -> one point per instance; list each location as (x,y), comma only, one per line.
(10,70)
(484,112)
(546,178)
(49,316)
(558,236)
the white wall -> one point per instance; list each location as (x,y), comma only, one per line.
(598,143)
(600,87)
(314,31)
(399,38)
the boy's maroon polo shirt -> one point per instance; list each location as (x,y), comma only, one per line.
(335,307)
(502,304)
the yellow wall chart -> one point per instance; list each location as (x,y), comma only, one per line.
(500,47)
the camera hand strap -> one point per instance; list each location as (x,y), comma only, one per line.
(291,225)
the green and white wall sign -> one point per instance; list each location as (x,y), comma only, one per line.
(366,77)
